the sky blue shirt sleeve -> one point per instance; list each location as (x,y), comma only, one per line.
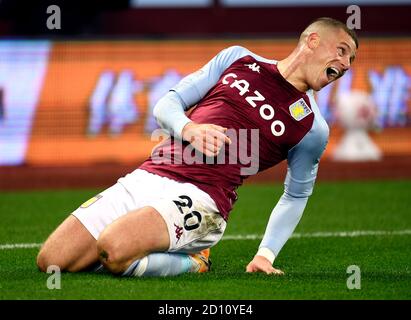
(195,86)
(303,161)
(169,114)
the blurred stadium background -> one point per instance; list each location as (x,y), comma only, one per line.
(76,102)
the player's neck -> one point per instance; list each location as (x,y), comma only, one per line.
(290,69)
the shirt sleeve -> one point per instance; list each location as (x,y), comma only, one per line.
(302,170)
(195,86)
(169,110)
(169,113)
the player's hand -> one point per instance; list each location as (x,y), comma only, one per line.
(206,138)
(261,264)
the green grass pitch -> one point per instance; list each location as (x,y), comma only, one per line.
(315,267)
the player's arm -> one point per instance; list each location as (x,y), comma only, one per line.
(302,170)
(170,110)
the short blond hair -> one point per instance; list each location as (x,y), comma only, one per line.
(330,23)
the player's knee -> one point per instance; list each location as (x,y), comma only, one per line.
(45,259)
(42,261)
(110,255)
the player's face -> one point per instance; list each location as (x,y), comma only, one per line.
(331,59)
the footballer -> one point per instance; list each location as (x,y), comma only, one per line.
(162,218)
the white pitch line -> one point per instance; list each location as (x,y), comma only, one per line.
(339,234)
(19,246)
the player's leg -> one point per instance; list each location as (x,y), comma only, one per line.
(161,264)
(132,236)
(176,227)
(80,250)
(71,247)
(136,245)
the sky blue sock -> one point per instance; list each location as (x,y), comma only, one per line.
(160,265)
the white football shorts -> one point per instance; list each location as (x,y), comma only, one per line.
(191,215)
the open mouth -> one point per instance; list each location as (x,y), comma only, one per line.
(332,73)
